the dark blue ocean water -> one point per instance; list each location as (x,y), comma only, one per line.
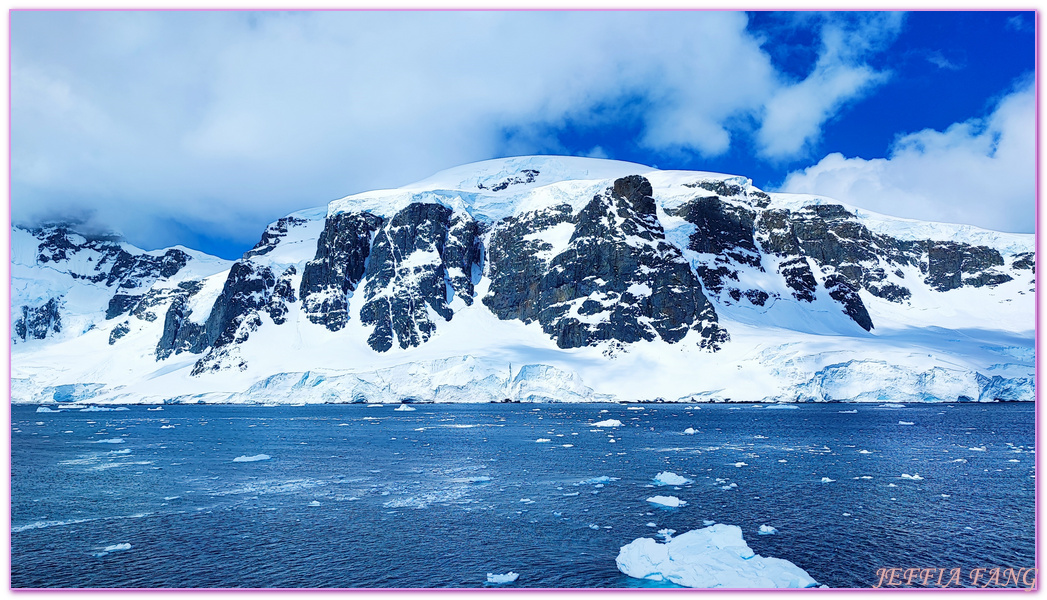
(356,496)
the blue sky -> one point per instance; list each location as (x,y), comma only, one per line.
(200,128)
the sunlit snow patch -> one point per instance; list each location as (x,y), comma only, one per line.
(713,557)
(255,458)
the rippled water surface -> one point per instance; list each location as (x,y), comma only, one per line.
(357,496)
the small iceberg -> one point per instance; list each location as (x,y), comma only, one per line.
(156,409)
(847,412)
(670,501)
(44,409)
(117,548)
(827,480)
(667,534)
(781,407)
(255,458)
(542,440)
(502,578)
(864,452)
(314,503)
(740,464)
(690,431)
(670,478)
(978,449)
(713,557)
(766,530)
(404,408)
(608,423)
(891,405)
(109,441)
(906,423)
(914,476)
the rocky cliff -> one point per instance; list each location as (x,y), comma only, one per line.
(605,261)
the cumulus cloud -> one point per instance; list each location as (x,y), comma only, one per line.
(979,172)
(159,123)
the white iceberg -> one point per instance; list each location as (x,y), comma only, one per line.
(847,412)
(314,503)
(608,423)
(670,501)
(827,480)
(116,548)
(906,423)
(404,408)
(690,431)
(670,478)
(542,440)
(500,578)
(713,557)
(44,409)
(914,476)
(766,530)
(978,449)
(255,458)
(741,464)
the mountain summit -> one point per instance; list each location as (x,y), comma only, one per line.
(536,278)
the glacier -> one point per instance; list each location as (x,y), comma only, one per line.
(787,298)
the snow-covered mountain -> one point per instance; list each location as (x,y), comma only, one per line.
(536,279)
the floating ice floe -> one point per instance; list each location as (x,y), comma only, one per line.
(707,522)
(960,460)
(864,452)
(597,480)
(109,441)
(667,534)
(652,524)
(103,409)
(670,478)
(314,503)
(914,476)
(690,431)
(670,501)
(502,578)
(781,406)
(978,449)
(827,480)
(891,405)
(847,412)
(740,464)
(114,548)
(906,423)
(167,427)
(44,409)
(608,423)
(404,408)
(766,530)
(255,458)
(713,557)
(542,440)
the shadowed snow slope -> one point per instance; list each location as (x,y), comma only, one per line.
(539,279)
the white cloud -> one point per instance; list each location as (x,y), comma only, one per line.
(795,113)
(223,121)
(979,172)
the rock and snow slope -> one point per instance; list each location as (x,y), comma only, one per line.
(536,279)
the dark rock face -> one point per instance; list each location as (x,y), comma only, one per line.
(273,234)
(1025,261)
(407,274)
(949,262)
(846,293)
(341,257)
(119,331)
(283,294)
(525,176)
(38,322)
(617,280)
(110,263)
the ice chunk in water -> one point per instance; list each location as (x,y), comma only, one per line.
(608,423)
(255,458)
(767,530)
(501,578)
(827,480)
(670,478)
(117,548)
(405,408)
(690,431)
(915,476)
(713,557)
(670,501)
